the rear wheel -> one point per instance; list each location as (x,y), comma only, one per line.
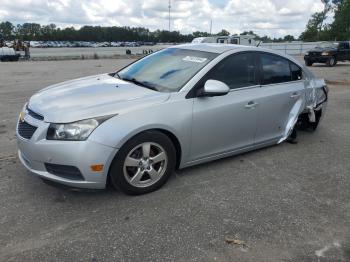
(305,124)
(143,164)
(314,125)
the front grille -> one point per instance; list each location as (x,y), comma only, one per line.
(26,130)
(68,172)
(34,115)
(314,53)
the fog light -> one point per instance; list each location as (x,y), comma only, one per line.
(97,168)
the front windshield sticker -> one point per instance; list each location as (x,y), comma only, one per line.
(194,59)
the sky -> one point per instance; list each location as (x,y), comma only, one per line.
(274,18)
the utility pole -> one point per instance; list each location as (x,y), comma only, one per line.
(169,13)
(211,25)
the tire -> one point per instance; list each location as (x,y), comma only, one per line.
(305,124)
(314,125)
(308,63)
(332,61)
(143,172)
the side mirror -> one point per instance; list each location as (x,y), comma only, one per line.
(214,88)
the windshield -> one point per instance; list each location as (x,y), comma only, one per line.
(167,70)
(327,45)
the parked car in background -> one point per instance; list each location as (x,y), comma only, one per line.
(328,53)
(115,44)
(178,107)
(55,44)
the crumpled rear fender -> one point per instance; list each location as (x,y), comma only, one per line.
(315,99)
(294,113)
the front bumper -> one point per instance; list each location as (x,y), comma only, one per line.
(36,151)
(317,59)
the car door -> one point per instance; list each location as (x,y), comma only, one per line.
(343,51)
(347,51)
(225,123)
(281,97)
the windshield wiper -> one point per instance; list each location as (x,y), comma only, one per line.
(135,81)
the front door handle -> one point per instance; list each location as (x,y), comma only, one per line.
(295,95)
(251,104)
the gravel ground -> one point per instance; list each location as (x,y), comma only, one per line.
(87,52)
(285,203)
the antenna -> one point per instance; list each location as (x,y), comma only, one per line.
(169,13)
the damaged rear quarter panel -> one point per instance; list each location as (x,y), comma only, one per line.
(315,99)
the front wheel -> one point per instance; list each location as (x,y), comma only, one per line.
(332,61)
(308,63)
(143,164)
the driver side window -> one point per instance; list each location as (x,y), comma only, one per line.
(236,71)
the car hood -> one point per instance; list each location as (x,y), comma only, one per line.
(320,50)
(90,97)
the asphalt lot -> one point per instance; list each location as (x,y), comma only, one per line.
(287,203)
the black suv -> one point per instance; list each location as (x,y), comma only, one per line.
(328,53)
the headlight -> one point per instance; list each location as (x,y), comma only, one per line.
(307,53)
(77,131)
(325,53)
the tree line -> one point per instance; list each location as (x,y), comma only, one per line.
(317,28)
(37,32)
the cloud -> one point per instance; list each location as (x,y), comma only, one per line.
(270,17)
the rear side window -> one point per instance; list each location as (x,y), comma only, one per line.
(297,73)
(236,71)
(275,69)
(343,45)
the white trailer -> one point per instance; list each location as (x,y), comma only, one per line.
(248,40)
(243,40)
(8,54)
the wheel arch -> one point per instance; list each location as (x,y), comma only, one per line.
(171,135)
(175,142)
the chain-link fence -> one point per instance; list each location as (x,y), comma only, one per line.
(294,48)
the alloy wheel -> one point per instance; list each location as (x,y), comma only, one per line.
(145,164)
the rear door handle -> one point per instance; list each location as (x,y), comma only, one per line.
(251,104)
(295,95)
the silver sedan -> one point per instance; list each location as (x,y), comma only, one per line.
(178,107)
